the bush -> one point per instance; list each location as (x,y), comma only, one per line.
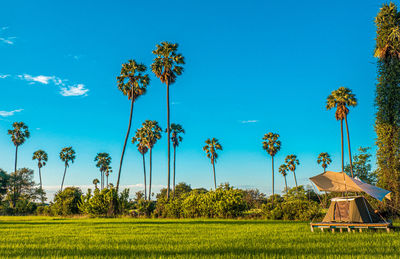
(66,202)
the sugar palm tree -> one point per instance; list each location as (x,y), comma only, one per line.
(176,130)
(324,159)
(151,134)
(103,162)
(132,82)
(140,138)
(96,182)
(167,66)
(211,147)
(107,173)
(19,134)
(272,145)
(67,155)
(292,162)
(283,170)
(342,98)
(41,157)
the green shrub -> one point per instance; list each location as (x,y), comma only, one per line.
(66,202)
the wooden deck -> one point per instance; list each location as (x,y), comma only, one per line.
(350,227)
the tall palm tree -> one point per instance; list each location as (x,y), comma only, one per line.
(107,173)
(103,162)
(19,134)
(176,130)
(325,159)
(41,157)
(272,145)
(133,83)
(167,66)
(292,162)
(211,147)
(96,182)
(140,137)
(151,134)
(67,155)
(342,98)
(283,170)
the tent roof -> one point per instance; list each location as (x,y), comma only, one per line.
(341,182)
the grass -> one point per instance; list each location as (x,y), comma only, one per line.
(156,238)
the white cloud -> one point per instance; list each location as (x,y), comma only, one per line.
(4,76)
(9,113)
(249,121)
(8,40)
(41,79)
(74,90)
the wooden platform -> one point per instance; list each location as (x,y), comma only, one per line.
(350,227)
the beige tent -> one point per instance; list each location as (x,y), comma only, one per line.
(351,209)
(341,182)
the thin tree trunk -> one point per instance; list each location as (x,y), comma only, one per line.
(62,183)
(126,140)
(15,171)
(41,186)
(324,169)
(150,171)
(215,179)
(169,141)
(286,190)
(173,181)
(16,158)
(107,180)
(341,131)
(144,174)
(348,141)
(295,180)
(273,187)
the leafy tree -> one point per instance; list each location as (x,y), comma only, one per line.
(67,155)
(96,182)
(211,147)
(19,133)
(362,167)
(324,159)
(103,162)
(272,145)
(140,138)
(292,162)
(4,182)
(167,66)
(176,130)
(150,133)
(283,170)
(132,82)
(41,157)
(66,201)
(341,99)
(387,100)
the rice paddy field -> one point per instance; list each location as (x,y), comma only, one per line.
(46,237)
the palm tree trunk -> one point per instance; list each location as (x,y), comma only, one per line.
(126,140)
(107,180)
(295,179)
(286,190)
(144,174)
(341,131)
(15,171)
(348,141)
(169,140)
(273,185)
(150,171)
(41,187)
(215,179)
(62,183)
(16,158)
(173,181)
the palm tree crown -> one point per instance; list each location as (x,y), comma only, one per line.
(19,133)
(166,64)
(41,157)
(67,155)
(283,169)
(325,159)
(292,161)
(103,161)
(271,144)
(341,99)
(176,130)
(211,147)
(151,133)
(132,81)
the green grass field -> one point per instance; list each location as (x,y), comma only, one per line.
(157,238)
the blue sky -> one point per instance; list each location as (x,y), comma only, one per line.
(251,67)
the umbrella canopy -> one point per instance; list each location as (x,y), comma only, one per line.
(341,182)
